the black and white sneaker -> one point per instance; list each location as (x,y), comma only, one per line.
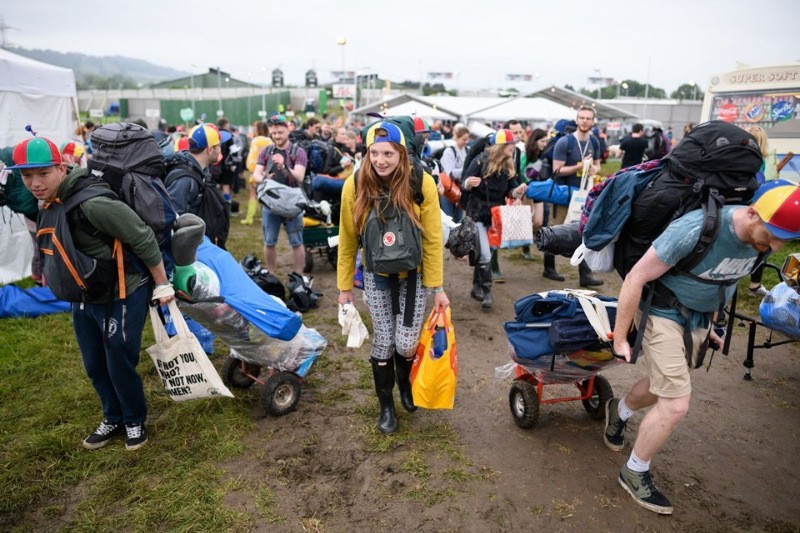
(136,436)
(104,433)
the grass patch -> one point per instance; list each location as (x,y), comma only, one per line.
(48,406)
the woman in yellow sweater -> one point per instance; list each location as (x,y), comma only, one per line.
(396,303)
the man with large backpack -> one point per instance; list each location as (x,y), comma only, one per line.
(82,223)
(570,154)
(285,162)
(678,326)
(189,183)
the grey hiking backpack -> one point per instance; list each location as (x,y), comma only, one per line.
(128,158)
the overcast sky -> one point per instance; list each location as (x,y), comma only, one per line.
(560,41)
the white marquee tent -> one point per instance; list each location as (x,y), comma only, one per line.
(38,94)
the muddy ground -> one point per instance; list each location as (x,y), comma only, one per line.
(731,466)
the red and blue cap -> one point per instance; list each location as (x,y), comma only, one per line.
(37,152)
(206,136)
(777,202)
(502,137)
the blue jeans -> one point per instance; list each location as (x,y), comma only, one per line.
(451,209)
(112,367)
(271,224)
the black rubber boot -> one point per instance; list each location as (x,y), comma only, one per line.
(550,271)
(496,274)
(383,374)
(526,253)
(587,280)
(486,285)
(402,369)
(477,291)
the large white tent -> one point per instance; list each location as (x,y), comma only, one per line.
(35,93)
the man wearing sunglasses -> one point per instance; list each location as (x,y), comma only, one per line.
(284,162)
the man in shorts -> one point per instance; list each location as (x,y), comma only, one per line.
(284,162)
(745,232)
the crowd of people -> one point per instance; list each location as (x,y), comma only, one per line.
(381,175)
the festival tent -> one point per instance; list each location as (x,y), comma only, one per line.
(35,93)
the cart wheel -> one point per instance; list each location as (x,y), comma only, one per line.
(524,402)
(309,265)
(601,393)
(333,256)
(281,393)
(233,376)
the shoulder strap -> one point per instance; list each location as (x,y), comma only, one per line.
(712,211)
(595,144)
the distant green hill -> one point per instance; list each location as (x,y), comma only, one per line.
(101,72)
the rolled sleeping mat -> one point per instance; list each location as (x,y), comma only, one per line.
(562,239)
(189,233)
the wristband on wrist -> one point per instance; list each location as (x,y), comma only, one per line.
(437,290)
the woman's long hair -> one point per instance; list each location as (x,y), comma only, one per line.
(371,187)
(532,145)
(499,162)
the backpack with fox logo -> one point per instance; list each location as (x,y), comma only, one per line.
(72,275)
(392,243)
(128,158)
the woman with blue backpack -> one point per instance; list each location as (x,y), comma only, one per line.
(391,211)
(490,180)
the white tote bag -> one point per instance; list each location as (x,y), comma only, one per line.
(579,197)
(184,367)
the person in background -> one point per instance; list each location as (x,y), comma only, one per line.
(260,141)
(72,153)
(570,154)
(490,180)
(452,164)
(383,180)
(325,132)
(284,162)
(534,148)
(631,148)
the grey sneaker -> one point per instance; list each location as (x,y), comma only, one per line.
(136,436)
(614,435)
(104,433)
(641,488)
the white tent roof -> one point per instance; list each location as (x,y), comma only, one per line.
(38,94)
(22,75)
(546,105)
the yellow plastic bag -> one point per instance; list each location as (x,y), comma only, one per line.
(433,376)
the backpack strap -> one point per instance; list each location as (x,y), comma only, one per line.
(712,212)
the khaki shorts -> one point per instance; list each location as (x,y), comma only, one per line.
(665,356)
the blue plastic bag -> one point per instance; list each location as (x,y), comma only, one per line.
(780,310)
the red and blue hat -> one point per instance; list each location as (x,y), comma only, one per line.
(777,202)
(37,152)
(502,137)
(384,132)
(206,136)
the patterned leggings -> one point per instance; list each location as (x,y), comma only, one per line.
(389,334)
